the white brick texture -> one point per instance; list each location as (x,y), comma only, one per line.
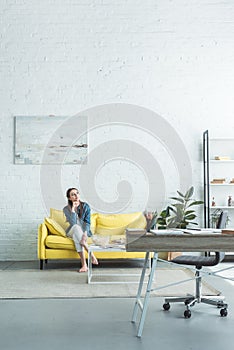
(60,57)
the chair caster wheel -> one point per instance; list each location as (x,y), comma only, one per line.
(223,312)
(187,314)
(220,305)
(166,306)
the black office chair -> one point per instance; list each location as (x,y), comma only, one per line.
(199,262)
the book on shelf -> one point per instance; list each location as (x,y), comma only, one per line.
(222,158)
(218,181)
(228,231)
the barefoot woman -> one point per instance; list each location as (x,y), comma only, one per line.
(78,216)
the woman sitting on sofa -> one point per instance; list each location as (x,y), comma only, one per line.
(78,215)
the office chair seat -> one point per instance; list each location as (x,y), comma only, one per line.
(199,262)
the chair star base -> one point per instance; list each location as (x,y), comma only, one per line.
(191,300)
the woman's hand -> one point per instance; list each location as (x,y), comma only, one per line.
(74,206)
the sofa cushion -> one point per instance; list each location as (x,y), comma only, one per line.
(54,228)
(59,242)
(93,222)
(137,222)
(116,224)
(59,217)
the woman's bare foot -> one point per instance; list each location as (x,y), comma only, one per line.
(83,269)
(94,260)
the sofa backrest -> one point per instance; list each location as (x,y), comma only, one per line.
(116,224)
(105,224)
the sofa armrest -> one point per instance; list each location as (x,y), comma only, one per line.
(42,234)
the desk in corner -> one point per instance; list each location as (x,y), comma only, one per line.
(173,240)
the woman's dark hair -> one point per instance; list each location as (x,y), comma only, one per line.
(70,202)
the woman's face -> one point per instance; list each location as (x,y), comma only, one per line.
(74,196)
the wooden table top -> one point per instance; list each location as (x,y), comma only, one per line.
(142,241)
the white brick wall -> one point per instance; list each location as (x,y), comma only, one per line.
(61,57)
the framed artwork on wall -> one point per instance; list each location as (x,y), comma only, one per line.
(50,140)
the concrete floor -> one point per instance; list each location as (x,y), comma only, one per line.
(105,323)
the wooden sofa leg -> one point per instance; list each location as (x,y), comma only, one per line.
(41,264)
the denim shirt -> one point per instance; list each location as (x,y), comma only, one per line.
(73,218)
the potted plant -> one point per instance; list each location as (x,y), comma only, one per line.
(180,213)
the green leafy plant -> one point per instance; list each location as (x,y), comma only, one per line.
(180,213)
(162,220)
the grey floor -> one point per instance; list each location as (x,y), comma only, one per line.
(105,323)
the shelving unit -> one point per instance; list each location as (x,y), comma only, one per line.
(218,169)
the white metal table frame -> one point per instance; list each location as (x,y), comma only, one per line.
(157,243)
(138,303)
(118,248)
(144,306)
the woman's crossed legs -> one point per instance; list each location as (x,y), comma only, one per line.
(80,240)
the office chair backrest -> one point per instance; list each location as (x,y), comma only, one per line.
(222,220)
(220,225)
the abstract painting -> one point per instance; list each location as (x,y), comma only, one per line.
(50,140)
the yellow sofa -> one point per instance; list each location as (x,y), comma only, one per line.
(53,243)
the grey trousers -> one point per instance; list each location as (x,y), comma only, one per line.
(76,234)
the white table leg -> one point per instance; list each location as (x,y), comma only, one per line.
(89,266)
(138,297)
(144,307)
